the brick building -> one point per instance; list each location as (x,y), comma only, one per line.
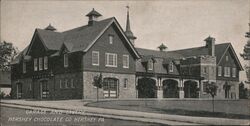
(63,65)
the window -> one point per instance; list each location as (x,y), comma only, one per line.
(40,63)
(111,39)
(150,65)
(171,67)
(45,63)
(35,65)
(205,70)
(60,84)
(111,59)
(219,70)
(125,83)
(226,71)
(66,60)
(72,83)
(226,58)
(30,87)
(234,72)
(24,67)
(66,83)
(125,61)
(95,58)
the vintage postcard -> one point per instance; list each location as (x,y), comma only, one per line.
(124,63)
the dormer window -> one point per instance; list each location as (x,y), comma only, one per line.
(171,67)
(150,65)
(66,60)
(111,39)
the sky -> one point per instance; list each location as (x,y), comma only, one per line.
(176,23)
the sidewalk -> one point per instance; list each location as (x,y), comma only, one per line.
(124,114)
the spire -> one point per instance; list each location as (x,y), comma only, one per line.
(128,22)
(128,31)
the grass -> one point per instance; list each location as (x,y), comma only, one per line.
(201,113)
(185,108)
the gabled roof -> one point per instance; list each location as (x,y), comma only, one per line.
(81,37)
(158,54)
(77,39)
(220,50)
(50,27)
(199,51)
(19,56)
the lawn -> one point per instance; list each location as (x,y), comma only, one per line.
(236,109)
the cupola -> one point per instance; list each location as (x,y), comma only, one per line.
(93,16)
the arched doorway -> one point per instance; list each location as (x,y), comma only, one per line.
(170,88)
(110,87)
(146,88)
(19,90)
(44,89)
(191,89)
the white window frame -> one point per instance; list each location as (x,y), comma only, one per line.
(40,62)
(65,60)
(30,86)
(98,60)
(226,71)
(66,83)
(125,61)
(72,83)
(125,85)
(219,70)
(233,72)
(171,67)
(111,39)
(24,67)
(35,64)
(60,84)
(150,65)
(45,62)
(114,64)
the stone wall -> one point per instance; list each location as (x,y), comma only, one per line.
(90,91)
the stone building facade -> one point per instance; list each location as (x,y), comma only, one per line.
(64,65)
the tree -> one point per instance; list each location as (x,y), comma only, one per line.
(7,54)
(211,88)
(98,84)
(242,91)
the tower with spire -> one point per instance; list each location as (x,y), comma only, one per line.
(128,31)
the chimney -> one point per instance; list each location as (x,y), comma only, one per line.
(210,45)
(93,17)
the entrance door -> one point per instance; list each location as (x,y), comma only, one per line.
(19,90)
(44,89)
(110,88)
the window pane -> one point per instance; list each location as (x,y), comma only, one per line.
(66,60)
(125,61)
(45,63)
(95,58)
(24,67)
(35,64)
(40,63)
